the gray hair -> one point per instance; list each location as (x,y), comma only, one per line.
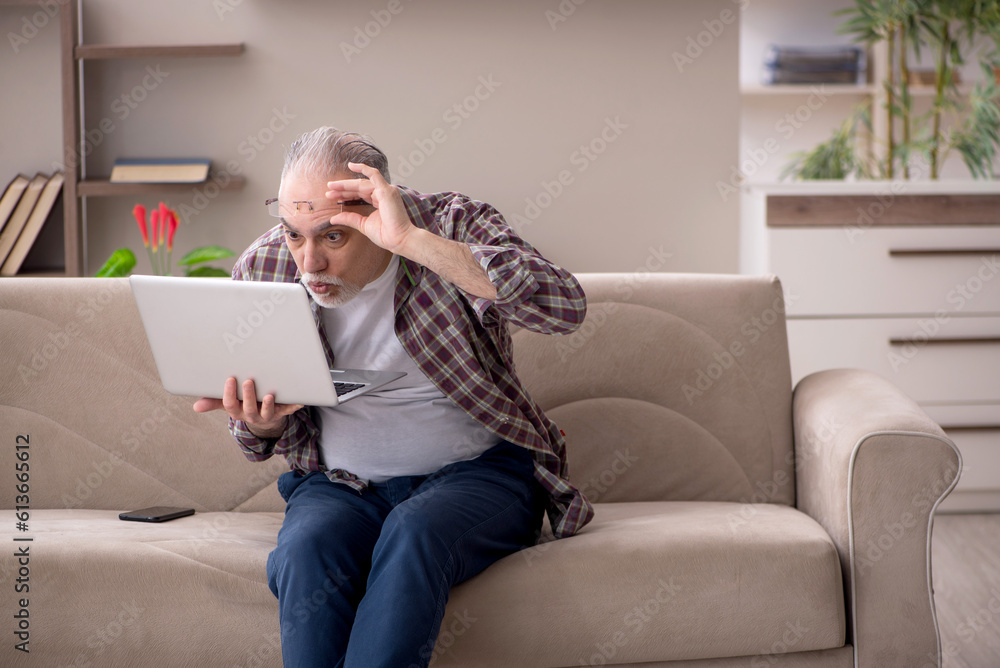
(327,151)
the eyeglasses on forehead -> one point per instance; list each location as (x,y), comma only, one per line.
(278,209)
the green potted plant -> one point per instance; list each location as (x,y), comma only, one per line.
(951,29)
(160,248)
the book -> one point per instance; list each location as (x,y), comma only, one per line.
(813,59)
(48,253)
(11,196)
(776,77)
(836,65)
(160,170)
(39,214)
(19,217)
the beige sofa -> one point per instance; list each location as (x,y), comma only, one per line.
(736,524)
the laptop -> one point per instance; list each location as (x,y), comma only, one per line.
(203,331)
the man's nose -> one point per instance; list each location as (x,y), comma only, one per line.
(312,258)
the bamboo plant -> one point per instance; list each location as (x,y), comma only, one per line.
(951,29)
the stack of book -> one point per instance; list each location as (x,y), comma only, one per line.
(160,170)
(836,65)
(24,207)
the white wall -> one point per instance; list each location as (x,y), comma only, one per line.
(30,104)
(605,76)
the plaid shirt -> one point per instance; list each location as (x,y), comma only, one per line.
(461,342)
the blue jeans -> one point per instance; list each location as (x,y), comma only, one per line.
(363,579)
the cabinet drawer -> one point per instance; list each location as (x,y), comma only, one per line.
(880,271)
(980,450)
(975,429)
(965,416)
(950,359)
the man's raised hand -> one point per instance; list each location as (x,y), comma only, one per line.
(388,226)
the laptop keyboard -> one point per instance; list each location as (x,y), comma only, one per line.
(344,388)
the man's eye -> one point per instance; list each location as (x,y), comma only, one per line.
(293,236)
(334,236)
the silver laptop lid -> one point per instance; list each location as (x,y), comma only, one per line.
(205,330)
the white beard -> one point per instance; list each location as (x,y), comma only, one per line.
(345,291)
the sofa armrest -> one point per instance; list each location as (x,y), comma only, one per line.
(871,468)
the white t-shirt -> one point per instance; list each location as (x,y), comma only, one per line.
(409,427)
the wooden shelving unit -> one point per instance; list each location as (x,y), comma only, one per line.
(860,90)
(118,51)
(71,55)
(105,188)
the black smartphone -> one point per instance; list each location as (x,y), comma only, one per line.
(156,514)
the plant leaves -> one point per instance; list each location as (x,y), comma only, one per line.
(120,264)
(835,158)
(205,254)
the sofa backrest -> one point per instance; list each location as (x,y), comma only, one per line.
(77,379)
(676,387)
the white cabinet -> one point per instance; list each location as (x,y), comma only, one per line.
(848,270)
(912,293)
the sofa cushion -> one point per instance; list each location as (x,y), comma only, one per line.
(103,592)
(690,373)
(642,582)
(655,581)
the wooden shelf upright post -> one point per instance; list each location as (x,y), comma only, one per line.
(72,153)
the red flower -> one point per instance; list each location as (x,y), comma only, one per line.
(173,228)
(139,211)
(154,219)
(163,222)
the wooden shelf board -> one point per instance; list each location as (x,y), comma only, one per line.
(808,89)
(861,90)
(105,188)
(108,51)
(902,209)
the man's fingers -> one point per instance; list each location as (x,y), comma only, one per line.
(270,410)
(250,411)
(287,409)
(373,174)
(204,405)
(365,189)
(229,400)
(351,189)
(267,408)
(345,191)
(246,410)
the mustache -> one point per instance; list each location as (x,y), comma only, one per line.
(321,277)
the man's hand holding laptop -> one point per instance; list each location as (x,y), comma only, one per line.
(265,419)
